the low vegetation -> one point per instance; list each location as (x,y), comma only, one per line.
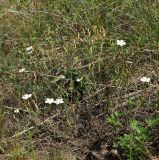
(79,80)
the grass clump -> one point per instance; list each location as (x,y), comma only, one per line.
(133,144)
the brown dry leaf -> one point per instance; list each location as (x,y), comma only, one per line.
(24,158)
(98,156)
(154,158)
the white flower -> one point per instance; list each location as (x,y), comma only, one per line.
(62,77)
(16,110)
(59,101)
(49,101)
(22,70)
(78,79)
(145,79)
(129,62)
(26,96)
(121,42)
(29,48)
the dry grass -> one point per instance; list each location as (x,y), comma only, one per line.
(77,39)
